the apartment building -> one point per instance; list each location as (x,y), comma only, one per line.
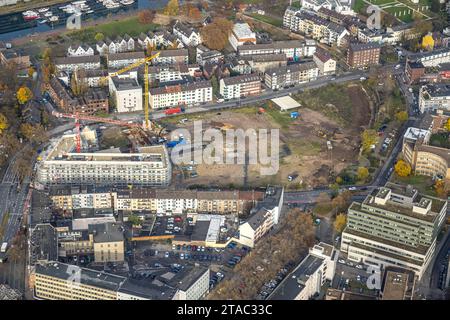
(195,284)
(108,242)
(124,59)
(93,101)
(168,73)
(77,197)
(363,55)
(211,56)
(188,94)
(187,35)
(263,217)
(396,34)
(293,49)
(425,159)
(80,50)
(311,25)
(241,34)
(127,94)
(433,58)
(60,164)
(10,56)
(96,78)
(117,45)
(324,62)
(291,75)
(309,276)
(175,56)
(434,97)
(262,62)
(414,71)
(240,86)
(394,226)
(338,6)
(77,62)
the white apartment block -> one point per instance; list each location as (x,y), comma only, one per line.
(127,94)
(311,25)
(241,34)
(69,64)
(293,49)
(61,165)
(434,97)
(124,59)
(188,94)
(79,51)
(195,287)
(168,73)
(187,35)
(118,45)
(433,58)
(309,276)
(240,86)
(167,57)
(340,6)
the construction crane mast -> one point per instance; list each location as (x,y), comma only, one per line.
(79,117)
(146,82)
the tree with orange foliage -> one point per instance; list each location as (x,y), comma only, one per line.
(24,94)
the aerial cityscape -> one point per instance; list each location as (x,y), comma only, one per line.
(225,150)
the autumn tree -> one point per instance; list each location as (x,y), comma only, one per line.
(363,173)
(47,68)
(78,82)
(172,8)
(447,125)
(441,188)
(3,123)
(193,12)
(401,116)
(402,168)
(135,220)
(99,37)
(33,133)
(146,16)
(369,137)
(341,201)
(339,223)
(24,94)
(215,34)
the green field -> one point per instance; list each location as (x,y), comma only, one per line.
(130,26)
(402,13)
(267,19)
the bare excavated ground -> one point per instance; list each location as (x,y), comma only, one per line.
(303,147)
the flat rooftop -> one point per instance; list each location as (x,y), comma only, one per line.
(88,277)
(395,285)
(293,284)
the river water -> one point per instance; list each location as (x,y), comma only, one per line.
(13,26)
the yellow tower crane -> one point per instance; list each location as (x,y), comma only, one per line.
(146,83)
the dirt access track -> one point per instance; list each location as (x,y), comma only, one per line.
(303,149)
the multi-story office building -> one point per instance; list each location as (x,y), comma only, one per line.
(291,75)
(62,165)
(394,226)
(293,49)
(60,281)
(309,276)
(240,86)
(433,97)
(188,94)
(424,158)
(362,55)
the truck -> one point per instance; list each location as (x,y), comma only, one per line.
(3,250)
(174,110)
(4,247)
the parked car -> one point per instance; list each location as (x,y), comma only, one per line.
(359,266)
(341,261)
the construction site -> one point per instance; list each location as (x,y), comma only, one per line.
(314,147)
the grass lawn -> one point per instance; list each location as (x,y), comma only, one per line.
(131,26)
(322,209)
(332,101)
(402,13)
(267,19)
(359,5)
(423,183)
(440,140)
